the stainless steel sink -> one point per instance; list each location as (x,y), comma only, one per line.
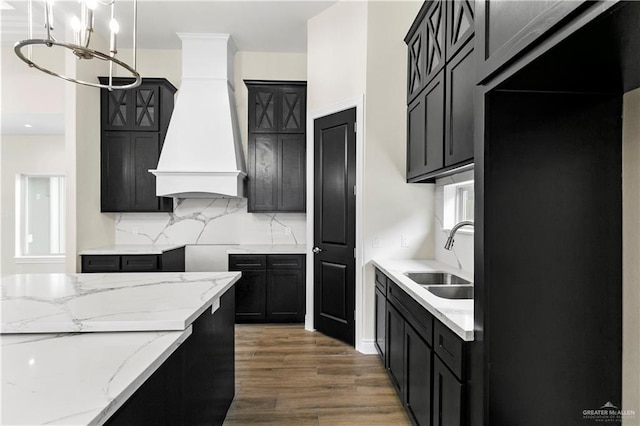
(452,291)
(435,278)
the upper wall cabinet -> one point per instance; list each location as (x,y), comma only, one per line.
(440,107)
(426,41)
(460,25)
(134,123)
(134,109)
(460,78)
(277,146)
(276,107)
(507,28)
(425,122)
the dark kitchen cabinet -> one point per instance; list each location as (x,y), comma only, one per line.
(251,292)
(126,184)
(134,124)
(409,366)
(196,384)
(425,130)
(277,146)
(395,342)
(381,315)
(417,63)
(447,396)
(460,77)
(426,361)
(506,29)
(277,107)
(271,289)
(426,42)
(460,24)
(133,109)
(417,377)
(440,117)
(285,292)
(277,173)
(169,261)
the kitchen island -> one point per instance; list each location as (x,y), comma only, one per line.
(160,350)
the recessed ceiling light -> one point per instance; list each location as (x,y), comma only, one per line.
(28,126)
(6,6)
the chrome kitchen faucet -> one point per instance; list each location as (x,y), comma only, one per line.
(449,244)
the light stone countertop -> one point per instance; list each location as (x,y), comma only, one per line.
(62,303)
(131,249)
(82,378)
(77,378)
(457,314)
(268,249)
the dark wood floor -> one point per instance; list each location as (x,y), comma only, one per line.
(288,376)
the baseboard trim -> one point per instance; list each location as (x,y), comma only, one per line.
(367,347)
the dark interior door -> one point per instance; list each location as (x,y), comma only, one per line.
(334,225)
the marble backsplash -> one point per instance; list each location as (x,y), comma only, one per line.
(211,221)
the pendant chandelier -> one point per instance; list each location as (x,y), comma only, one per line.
(83,29)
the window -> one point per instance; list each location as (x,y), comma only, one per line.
(40,216)
(464,202)
(459,203)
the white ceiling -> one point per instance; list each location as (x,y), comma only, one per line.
(275,26)
(269,26)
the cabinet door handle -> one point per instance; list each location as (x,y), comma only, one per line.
(248,264)
(316,250)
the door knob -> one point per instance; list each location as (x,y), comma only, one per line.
(316,250)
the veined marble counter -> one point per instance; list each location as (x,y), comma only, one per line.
(268,249)
(131,249)
(77,379)
(60,303)
(457,314)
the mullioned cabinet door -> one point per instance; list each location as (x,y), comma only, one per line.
(133,109)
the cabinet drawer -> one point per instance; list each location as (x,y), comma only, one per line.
(285,261)
(243,262)
(140,263)
(414,313)
(100,263)
(448,347)
(381,281)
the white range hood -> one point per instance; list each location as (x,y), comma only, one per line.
(202,155)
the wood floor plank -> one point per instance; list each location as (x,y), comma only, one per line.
(286,375)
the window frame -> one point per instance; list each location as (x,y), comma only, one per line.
(58,214)
(453,211)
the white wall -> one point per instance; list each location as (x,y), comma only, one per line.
(336,54)
(25,155)
(27,90)
(631,256)
(398,217)
(166,63)
(86,226)
(25,93)
(355,49)
(263,66)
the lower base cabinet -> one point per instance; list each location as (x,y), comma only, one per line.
(395,348)
(196,385)
(426,362)
(169,261)
(417,377)
(447,397)
(271,289)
